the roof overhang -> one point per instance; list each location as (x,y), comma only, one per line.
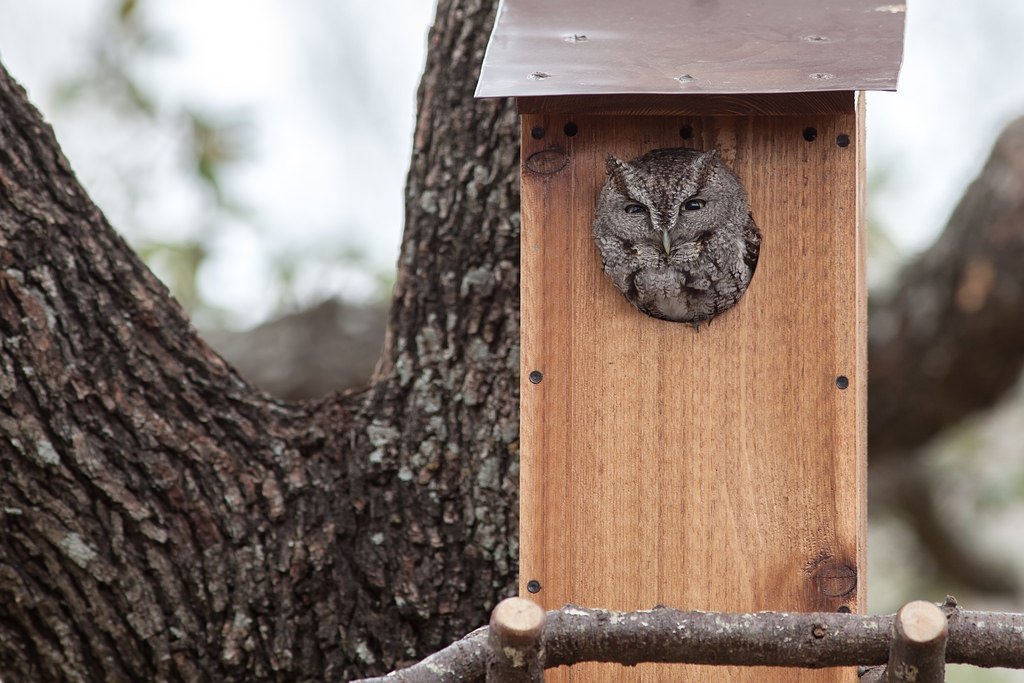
(541,48)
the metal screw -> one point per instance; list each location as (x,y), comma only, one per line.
(537,132)
(536,376)
(842,381)
(533,585)
(843,140)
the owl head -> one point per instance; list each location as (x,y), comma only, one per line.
(669,195)
(675,233)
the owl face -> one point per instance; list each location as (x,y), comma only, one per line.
(675,233)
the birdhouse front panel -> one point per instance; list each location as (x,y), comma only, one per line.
(705,451)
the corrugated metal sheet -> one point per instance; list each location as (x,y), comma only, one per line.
(592,47)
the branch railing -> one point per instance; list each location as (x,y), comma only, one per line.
(912,645)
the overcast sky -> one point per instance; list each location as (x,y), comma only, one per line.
(328,90)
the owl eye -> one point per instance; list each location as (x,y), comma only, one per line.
(693,204)
(635,208)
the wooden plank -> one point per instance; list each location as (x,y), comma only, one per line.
(752,104)
(719,470)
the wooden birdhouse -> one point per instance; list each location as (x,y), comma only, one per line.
(718,468)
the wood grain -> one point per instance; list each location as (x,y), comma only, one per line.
(751,104)
(720,470)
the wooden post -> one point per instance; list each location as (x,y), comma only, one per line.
(918,650)
(722,469)
(516,650)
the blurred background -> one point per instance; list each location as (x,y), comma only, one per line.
(255,152)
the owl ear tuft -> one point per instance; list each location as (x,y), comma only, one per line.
(617,171)
(613,165)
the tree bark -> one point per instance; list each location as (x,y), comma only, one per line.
(165,520)
(808,640)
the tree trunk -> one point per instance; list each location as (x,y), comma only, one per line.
(164,520)
(950,340)
(947,344)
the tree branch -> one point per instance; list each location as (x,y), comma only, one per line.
(947,343)
(163,519)
(950,341)
(664,634)
(516,649)
(917,653)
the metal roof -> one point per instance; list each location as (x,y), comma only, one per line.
(594,47)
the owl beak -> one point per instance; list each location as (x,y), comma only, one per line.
(666,242)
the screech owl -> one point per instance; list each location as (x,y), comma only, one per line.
(676,234)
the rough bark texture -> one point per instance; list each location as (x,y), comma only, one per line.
(163,519)
(808,640)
